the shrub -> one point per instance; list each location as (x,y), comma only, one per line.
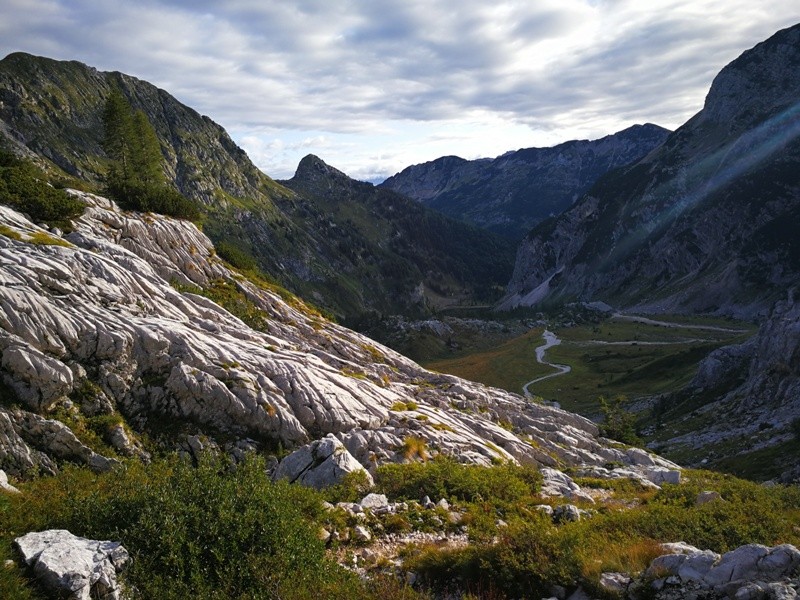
(618,424)
(443,477)
(23,186)
(236,256)
(213,531)
(157,199)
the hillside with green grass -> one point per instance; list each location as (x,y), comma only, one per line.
(358,252)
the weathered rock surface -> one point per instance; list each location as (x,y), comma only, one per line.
(320,464)
(73,567)
(101,313)
(751,571)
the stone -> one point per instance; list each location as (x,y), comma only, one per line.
(443,504)
(69,565)
(615,582)
(320,464)
(556,483)
(361,533)
(706,497)
(374,501)
(5,486)
(566,513)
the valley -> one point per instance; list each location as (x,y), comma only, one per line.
(640,358)
(226,386)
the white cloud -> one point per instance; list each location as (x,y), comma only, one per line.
(365,83)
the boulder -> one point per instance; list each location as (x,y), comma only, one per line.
(706,497)
(4,485)
(615,582)
(374,501)
(750,571)
(320,464)
(73,567)
(556,483)
(566,513)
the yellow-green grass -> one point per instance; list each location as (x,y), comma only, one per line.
(509,366)
(635,359)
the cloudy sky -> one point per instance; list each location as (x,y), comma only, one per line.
(372,86)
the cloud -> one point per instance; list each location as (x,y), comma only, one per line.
(350,75)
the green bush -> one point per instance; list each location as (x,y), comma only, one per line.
(445,478)
(23,186)
(236,256)
(159,199)
(213,531)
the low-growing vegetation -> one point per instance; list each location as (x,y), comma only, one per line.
(220,530)
(24,187)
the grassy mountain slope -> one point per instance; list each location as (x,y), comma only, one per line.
(52,110)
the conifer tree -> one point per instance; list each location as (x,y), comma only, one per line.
(147,156)
(135,176)
(119,136)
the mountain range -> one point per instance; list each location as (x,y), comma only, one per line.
(707,222)
(512,193)
(351,249)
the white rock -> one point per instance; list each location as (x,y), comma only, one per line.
(615,582)
(320,464)
(361,533)
(66,564)
(4,485)
(374,501)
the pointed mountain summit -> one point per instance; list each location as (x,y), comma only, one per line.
(411,256)
(514,192)
(705,223)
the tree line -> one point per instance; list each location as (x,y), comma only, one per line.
(135,177)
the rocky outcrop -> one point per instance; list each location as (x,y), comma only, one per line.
(748,572)
(98,308)
(514,192)
(756,385)
(705,223)
(73,567)
(320,464)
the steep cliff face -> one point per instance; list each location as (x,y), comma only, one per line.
(701,224)
(514,192)
(116,321)
(52,110)
(756,386)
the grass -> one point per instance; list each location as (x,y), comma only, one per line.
(509,366)
(6,231)
(624,364)
(40,238)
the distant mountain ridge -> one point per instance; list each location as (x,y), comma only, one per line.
(705,223)
(514,192)
(52,110)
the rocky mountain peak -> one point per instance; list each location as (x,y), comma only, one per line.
(313,168)
(762,81)
(704,223)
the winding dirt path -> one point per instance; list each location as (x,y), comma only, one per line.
(550,340)
(646,321)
